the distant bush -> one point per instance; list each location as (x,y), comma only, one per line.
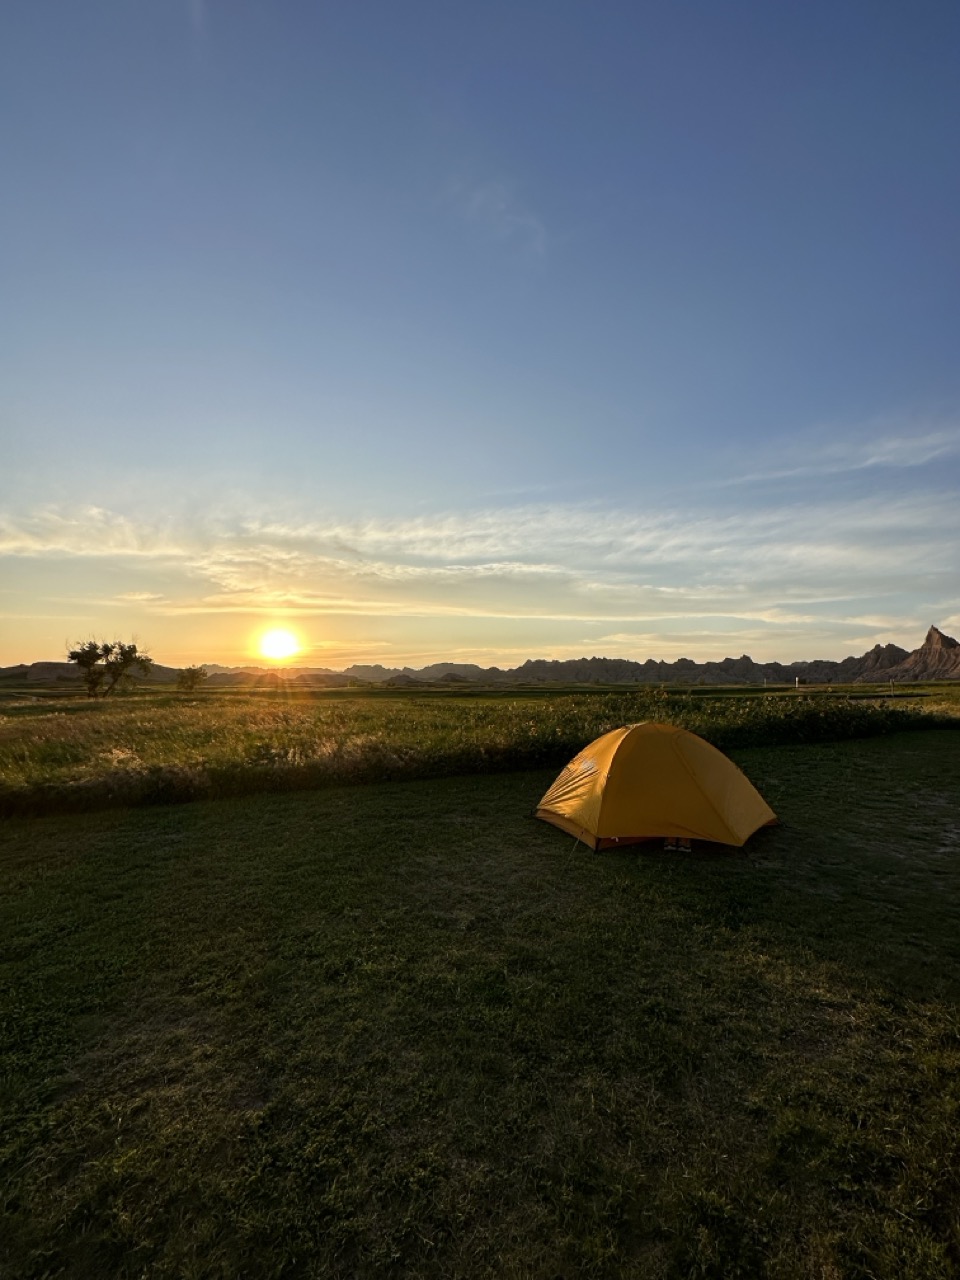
(191,678)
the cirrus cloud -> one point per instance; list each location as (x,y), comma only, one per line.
(873,569)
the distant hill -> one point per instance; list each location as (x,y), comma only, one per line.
(69,672)
(938,658)
(375,672)
(461,670)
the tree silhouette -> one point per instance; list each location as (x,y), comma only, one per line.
(107,664)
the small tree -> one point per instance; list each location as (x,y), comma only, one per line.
(191,678)
(107,664)
(89,658)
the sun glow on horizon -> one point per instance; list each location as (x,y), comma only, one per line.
(279,644)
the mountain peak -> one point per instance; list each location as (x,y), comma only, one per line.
(937,640)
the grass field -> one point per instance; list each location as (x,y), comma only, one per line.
(406,1030)
(70,753)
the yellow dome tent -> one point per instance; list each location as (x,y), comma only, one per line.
(653,780)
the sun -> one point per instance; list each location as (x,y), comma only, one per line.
(279,644)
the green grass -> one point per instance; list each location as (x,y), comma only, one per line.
(407,1030)
(71,754)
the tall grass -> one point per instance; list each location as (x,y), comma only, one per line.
(68,755)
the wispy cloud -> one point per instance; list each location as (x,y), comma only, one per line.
(84,531)
(496,209)
(812,457)
(626,549)
(866,569)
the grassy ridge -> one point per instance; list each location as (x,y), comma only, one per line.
(71,755)
(408,1031)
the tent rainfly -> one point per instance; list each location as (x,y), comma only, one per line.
(651,780)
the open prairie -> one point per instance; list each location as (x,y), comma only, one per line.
(404,1029)
(62,752)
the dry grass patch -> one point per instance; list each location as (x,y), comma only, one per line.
(74,754)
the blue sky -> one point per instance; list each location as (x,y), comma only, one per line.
(481,331)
